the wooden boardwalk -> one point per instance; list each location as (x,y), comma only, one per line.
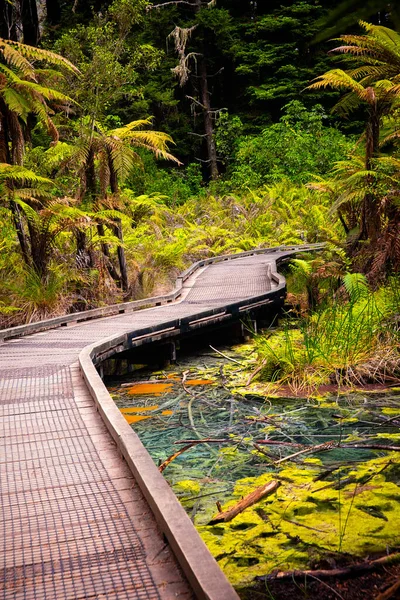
(74,521)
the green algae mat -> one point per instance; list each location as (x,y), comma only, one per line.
(339,492)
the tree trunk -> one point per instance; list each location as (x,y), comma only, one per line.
(106,251)
(5,157)
(8,29)
(21,235)
(123,267)
(208,122)
(121,255)
(30,22)
(83,257)
(39,250)
(370,217)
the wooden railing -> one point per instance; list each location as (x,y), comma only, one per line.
(126,307)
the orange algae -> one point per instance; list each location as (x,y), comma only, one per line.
(149,389)
(167,412)
(133,409)
(198,381)
(136,418)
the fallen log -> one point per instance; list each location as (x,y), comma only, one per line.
(255,496)
(351,570)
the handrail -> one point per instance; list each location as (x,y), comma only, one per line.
(124,307)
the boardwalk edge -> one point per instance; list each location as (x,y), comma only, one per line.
(200,568)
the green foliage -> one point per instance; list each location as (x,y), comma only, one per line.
(227,132)
(356,285)
(273,57)
(37,298)
(296,147)
(372,210)
(111,60)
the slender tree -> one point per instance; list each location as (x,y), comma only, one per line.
(196,61)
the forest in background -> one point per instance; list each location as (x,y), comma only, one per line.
(137,137)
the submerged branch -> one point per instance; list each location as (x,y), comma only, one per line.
(278,443)
(319,448)
(169,460)
(204,441)
(226,356)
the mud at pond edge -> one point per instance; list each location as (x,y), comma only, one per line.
(365,587)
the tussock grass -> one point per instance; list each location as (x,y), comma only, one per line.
(347,342)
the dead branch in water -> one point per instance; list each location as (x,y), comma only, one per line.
(169,460)
(356,569)
(226,356)
(256,371)
(262,451)
(319,448)
(371,446)
(205,441)
(255,496)
(278,443)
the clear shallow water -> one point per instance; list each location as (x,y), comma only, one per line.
(342,501)
(195,399)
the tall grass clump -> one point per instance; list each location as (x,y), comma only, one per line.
(352,340)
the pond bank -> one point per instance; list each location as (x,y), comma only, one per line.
(333,503)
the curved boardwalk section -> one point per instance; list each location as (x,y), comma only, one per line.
(79,521)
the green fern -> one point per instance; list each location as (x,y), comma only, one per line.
(356,285)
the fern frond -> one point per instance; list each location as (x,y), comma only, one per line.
(29,212)
(33,53)
(45,92)
(121,132)
(337,79)
(299,266)
(356,286)
(16,59)
(21,175)
(16,103)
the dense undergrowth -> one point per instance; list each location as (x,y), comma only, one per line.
(351,339)
(161,240)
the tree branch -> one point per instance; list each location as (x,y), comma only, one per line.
(168,3)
